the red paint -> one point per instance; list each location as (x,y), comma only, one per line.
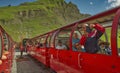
(7,64)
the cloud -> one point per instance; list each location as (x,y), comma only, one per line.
(113,3)
(91,3)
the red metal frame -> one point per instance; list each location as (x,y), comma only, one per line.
(7,64)
(114,33)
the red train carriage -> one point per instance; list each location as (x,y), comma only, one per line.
(6,52)
(68,60)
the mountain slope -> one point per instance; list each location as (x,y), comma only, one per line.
(35,18)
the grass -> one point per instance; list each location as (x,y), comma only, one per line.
(50,17)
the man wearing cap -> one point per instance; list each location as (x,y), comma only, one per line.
(89,40)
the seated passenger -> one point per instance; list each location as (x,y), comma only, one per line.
(107,48)
(60,45)
(104,48)
(75,42)
(89,39)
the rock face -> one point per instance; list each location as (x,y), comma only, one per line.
(31,19)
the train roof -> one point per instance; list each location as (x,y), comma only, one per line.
(98,18)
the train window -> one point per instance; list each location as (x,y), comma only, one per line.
(118,38)
(6,42)
(43,41)
(0,47)
(62,39)
(36,43)
(76,39)
(104,42)
(48,41)
(52,38)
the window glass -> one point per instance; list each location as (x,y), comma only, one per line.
(0,47)
(104,42)
(6,42)
(48,40)
(42,41)
(86,34)
(118,38)
(52,38)
(76,39)
(36,43)
(62,39)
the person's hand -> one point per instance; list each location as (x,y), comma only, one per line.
(92,25)
(0,62)
(4,57)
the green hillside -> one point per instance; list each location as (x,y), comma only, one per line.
(35,18)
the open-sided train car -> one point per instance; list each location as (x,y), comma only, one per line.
(44,47)
(6,51)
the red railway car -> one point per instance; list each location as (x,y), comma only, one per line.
(67,60)
(6,52)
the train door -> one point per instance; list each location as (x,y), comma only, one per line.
(42,50)
(53,52)
(62,45)
(99,62)
(47,49)
(75,54)
(35,48)
(6,52)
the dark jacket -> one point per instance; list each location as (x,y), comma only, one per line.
(90,42)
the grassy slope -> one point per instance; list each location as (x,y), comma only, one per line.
(52,19)
(9,13)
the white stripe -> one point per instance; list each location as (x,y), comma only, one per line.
(94,34)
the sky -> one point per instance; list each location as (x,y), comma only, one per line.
(85,6)
(94,6)
(13,2)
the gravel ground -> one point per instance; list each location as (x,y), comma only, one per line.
(29,65)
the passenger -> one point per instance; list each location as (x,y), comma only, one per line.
(60,45)
(89,39)
(108,49)
(75,42)
(5,52)
(104,48)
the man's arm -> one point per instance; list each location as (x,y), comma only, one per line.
(100,30)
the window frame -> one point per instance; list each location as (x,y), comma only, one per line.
(58,33)
(1,50)
(114,34)
(52,40)
(6,40)
(48,40)
(118,48)
(44,42)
